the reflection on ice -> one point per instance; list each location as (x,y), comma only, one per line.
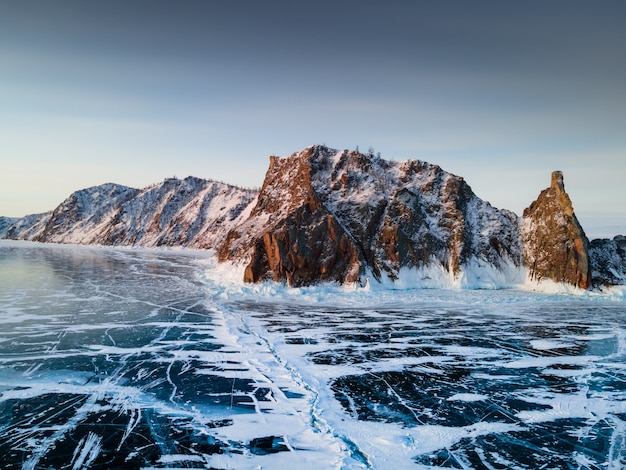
(135,359)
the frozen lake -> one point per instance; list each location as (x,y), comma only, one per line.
(119,358)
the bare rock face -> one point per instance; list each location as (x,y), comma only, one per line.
(304,248)
(290,235)
(555,245)
(334,215)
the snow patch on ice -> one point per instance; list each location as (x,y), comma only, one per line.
(548,344)
(468,397)
(575,405)
(87,450)
(174,458)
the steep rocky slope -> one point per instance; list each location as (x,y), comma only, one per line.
(290,234)
(28,227)
(192,212)
(555,245)
(84,215)
(324,214)
(5,223)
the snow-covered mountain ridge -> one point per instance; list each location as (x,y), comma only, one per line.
(192,212)
(344,216)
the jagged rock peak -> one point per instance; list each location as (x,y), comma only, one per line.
(290,235)
(555,244)
(557,181)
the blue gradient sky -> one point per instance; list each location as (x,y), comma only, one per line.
(501,93)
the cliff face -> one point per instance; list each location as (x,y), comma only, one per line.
(192,212)
(329,215)
(555,245)
(290,235)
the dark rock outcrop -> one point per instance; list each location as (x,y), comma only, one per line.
(608,261)
(555,245)
(290,235)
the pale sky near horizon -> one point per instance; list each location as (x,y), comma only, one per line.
(501,93)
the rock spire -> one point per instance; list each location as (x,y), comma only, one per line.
(555,244)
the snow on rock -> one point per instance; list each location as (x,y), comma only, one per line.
(608,260)
(83,215)
(5,223)
(291,235)
(28,227)
(555,244)
(193,212)
(324,214)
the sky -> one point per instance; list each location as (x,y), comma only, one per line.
(501,93)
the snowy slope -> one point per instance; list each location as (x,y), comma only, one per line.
(83,215)
(191,212)
(28,227)
(5,223)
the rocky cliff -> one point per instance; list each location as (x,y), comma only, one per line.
(338,215)
(291,235)
(555,245)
